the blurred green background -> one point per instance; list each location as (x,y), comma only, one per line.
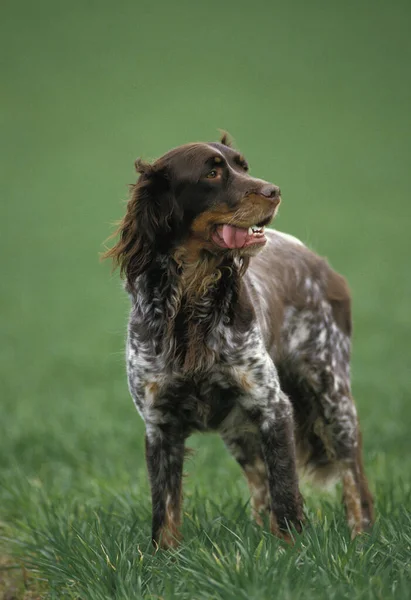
(316,94)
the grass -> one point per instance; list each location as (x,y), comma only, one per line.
(99,548)
(317,96)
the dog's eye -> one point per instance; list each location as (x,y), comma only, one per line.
(212,174)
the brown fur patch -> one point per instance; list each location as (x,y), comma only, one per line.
(245,383)
(151,392)
(275,530)
(258,485)
(199,272)
(133,253)
(338,294)
(127,230)
(170,535)
(191,256)
(198,356)
(209,218)
(252,209)
(153,387)
(352,501)
(367,501)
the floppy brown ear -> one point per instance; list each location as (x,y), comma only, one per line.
(146,226)
(225,138)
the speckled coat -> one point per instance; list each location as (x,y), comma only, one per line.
(253,345)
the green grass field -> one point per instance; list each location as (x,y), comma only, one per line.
(317,95)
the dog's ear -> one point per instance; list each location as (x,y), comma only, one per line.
(146,228)
(225,138)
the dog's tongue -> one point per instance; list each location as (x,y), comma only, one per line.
(234,237)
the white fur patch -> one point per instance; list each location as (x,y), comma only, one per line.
(301,335)
(287,236)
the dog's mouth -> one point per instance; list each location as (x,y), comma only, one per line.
(232,236)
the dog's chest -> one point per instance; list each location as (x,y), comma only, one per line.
(201,399)
(225,347)
(199,403)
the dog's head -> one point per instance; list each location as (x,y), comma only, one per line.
(198,197)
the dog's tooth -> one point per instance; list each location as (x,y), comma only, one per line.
(254,229)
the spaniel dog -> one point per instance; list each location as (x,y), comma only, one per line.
(237,329)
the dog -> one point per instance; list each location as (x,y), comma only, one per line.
(237,329)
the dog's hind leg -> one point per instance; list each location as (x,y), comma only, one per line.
(357,497)
(316,375)
(347,463)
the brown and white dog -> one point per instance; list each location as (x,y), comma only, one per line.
(236,329)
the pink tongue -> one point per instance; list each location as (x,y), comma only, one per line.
(234,237)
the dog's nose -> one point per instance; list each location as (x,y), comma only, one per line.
(270,191)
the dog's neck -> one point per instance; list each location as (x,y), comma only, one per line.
(200,275)
(187,302)
(201,270)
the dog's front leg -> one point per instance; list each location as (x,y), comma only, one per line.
(270,409)
(278,446)
(165,457)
